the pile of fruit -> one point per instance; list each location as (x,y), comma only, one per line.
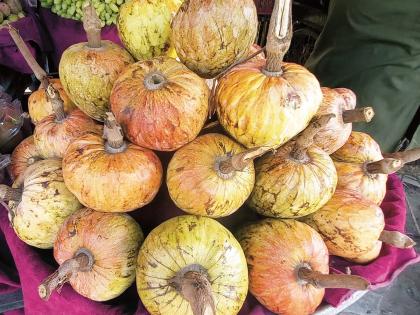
(73,9)
(287,151)
(10,11)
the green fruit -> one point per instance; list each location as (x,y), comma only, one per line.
(222,33)
(88,74)
(144,26)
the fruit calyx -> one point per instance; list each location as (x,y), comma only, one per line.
(154,81)
(56,103)
(227,165)
(113,134)
(279,37)
(82,261)
(92,26)
(306,138)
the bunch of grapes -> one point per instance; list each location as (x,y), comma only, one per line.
(10,11)
(107,10)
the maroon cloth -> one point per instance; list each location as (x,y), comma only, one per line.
(31,33)
(65,32)
(34,265)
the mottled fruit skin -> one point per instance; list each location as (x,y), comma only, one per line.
(191,240)
(274,251)
(349,224)
(108,182)
(350,161)
(25,154)
(52,137)
(210,35)
(335,133)
(259,110)
(88,74)
(144,27)
(290,188)
(166,118)
(369,255)
(46,203)
(197,186)
(39,106)
(113,239)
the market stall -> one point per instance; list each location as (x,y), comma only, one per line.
(224,181)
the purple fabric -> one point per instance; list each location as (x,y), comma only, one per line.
(66,32)
(34,265)
(29,29)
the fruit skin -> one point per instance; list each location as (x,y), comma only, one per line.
(350,161)
(24,155)
(52,138)
(46,203)
(144,27)
(183,241)
(369,255)
(88,74)
(335,134)
(39,106)
(107,182)
(258,110)
(113,239)
(198,188)
(349,224)
(274,250)
(210,35)
(166,118)
(289,188)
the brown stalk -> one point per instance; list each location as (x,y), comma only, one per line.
(113,134)
(39,73)
(396,239)
(240,161)
(320,280)
(384,166)
(196,289)
(92,26)
(82,261)
(362,114)
(306,138)
(56,102)
(405,156)
(10,194)
(279,37)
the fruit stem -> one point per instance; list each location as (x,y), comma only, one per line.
(405,156)
(56,102)
(154,81)
(10,194)
(82,261)
(92,26)
(384,166)
(113,134)
(195,287)
(40,73)
(240,161)
(396,239)
(279,37)
(320,280)
(363,114)
(306,138)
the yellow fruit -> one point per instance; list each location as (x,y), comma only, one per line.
(196,249)
(144,27)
